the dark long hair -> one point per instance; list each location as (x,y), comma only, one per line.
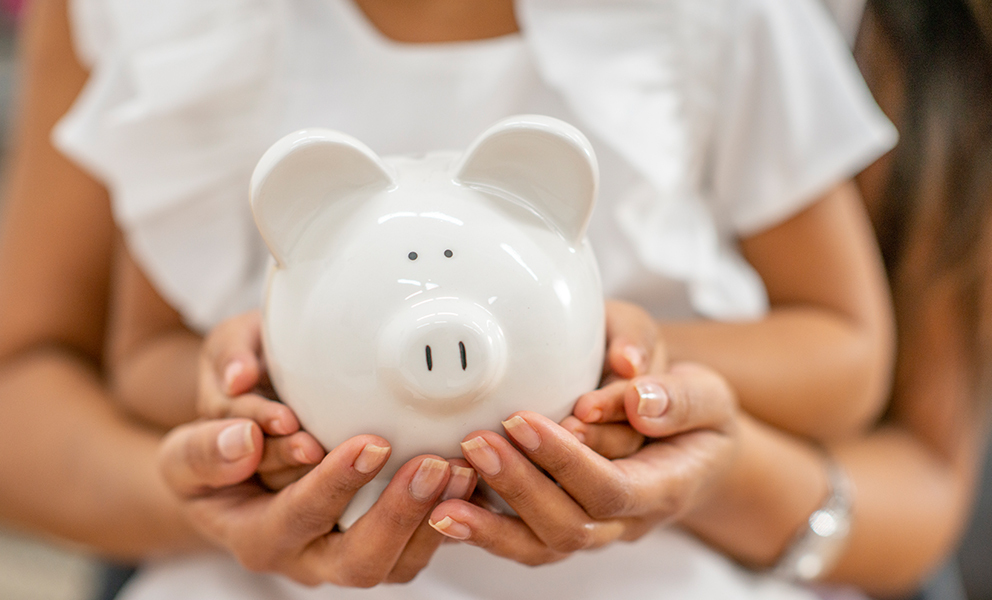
(939,192)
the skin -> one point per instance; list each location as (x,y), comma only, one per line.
(102,486)
(101,483)
(914,475)
(843,307)
(53,354)
(828,338)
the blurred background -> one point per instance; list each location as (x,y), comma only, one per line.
(33,569)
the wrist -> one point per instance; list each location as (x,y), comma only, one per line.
(819,543)
(773,486)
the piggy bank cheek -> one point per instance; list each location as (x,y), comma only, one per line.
(441,355)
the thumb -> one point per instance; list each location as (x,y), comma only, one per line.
(205,455)
(686,398)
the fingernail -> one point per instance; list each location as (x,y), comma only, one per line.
(653,399)
(482,456)
(235,442)
(301,456)
(371,458)
(595,416)
(577,430)
(231,373)
(428,477)
(459,483)
(636,358)
(452,528)
(523,433)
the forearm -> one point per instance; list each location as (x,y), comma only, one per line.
(909,504)
(156,382)
(87,475)
(809,371)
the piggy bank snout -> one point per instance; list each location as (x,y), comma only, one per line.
(442,356)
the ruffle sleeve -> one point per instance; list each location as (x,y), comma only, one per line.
(736,113)
(178,107)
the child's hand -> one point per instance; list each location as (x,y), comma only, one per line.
(233,382)
(633,347)
(210,466)
(570,498)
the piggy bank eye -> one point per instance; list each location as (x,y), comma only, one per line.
(412,256)
(448,253)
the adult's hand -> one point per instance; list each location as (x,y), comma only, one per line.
(586,500)
(210,465)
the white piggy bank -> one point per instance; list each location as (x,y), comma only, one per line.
(422,297)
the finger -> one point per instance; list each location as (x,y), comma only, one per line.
(277,480)
(610,441)
(546,508)
(426,539)
(603,405)
(672,474)
(500,535)
(632,340)
(687,398)
(200,456)
(659,479)
(602,489)
(311,507)
(229,363)
(274,417)
(290,451)
(367,553)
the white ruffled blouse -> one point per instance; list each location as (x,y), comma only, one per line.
(713,119)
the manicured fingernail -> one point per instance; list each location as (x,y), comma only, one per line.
(459,483)
(653,399)
(231,373)
(523,433)
(371,458)
(636,358)
(452,528)
(482,456)
(428,477)
(235,442)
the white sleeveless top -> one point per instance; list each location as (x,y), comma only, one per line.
(711,119)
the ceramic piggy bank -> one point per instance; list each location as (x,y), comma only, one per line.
(422,297)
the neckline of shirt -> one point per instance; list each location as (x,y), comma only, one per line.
(369,35)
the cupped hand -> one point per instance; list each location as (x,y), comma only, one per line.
(634,346)
(210,466)
(583,500)
(233,382)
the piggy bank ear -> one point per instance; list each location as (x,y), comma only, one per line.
(303,172)
(545,162)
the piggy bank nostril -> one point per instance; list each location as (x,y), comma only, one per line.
(442,335)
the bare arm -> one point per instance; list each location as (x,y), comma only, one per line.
(913,477)
(73,467)
(819,364)
(152,356)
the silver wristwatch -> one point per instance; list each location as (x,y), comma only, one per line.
(818,546)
